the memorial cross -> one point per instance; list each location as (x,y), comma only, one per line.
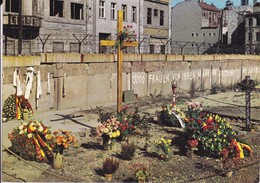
(119,56)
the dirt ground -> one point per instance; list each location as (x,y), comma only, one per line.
(84,163)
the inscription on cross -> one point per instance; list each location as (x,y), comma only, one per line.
(119,56)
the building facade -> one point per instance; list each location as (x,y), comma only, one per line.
(234,24)
(252,31)
(79,25)
(195,27)
(156,26)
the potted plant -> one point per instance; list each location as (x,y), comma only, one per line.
(110,165)
(128,150)
(163,148)
(140,171)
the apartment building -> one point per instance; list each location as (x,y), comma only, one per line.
(252,31)
(47,26)
(195,27)
(79,25)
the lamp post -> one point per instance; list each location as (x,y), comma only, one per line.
(247,85)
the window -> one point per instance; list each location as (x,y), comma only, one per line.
(113,11)
(149,15)
(258,21)
(56,8)
(134,14)
(161,17)
(249,37)
(258,36)
(76,11)
(209,34)
(250,23)
(192,34)
(101,9)
(12,6)
(204,34)
(155,12)
(214,34)
(197,34)
(124,8)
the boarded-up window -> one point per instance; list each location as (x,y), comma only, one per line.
(58,47)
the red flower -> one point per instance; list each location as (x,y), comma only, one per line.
(124,127)
(193,143)
(199,121)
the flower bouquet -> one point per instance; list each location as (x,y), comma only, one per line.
(32,141)
(15,106)
(61,140)
(168,115)
(126,35)
(212,132)
(109,131)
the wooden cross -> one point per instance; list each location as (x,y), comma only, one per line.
(119,57)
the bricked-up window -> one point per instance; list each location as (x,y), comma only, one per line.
(134,14)
(161,17)
(56,8)
(76,11)
(149,15)
(124,8)
(162,49)
(101,9)
(258,36)
(12,6)
(113,11)
(152,48)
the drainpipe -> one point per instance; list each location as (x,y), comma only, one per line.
(20,28)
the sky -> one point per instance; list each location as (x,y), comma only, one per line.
(218,3)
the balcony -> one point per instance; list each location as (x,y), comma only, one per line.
(28,21)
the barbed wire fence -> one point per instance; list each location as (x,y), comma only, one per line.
(87,43)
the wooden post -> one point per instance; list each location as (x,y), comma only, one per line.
(119,63)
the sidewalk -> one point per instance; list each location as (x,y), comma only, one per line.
(68,119)
(76,118)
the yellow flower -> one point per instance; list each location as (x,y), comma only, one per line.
(219,132)
(21,132)
(204,124)
(48,136)
(118,133)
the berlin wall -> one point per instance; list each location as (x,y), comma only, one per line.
(80,80)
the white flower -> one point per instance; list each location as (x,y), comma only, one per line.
(21,132)
(25,130)
(20,127)
(25,124)
(40,129)
(29,135)
(105,130)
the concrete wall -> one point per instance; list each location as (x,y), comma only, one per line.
(88,80)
